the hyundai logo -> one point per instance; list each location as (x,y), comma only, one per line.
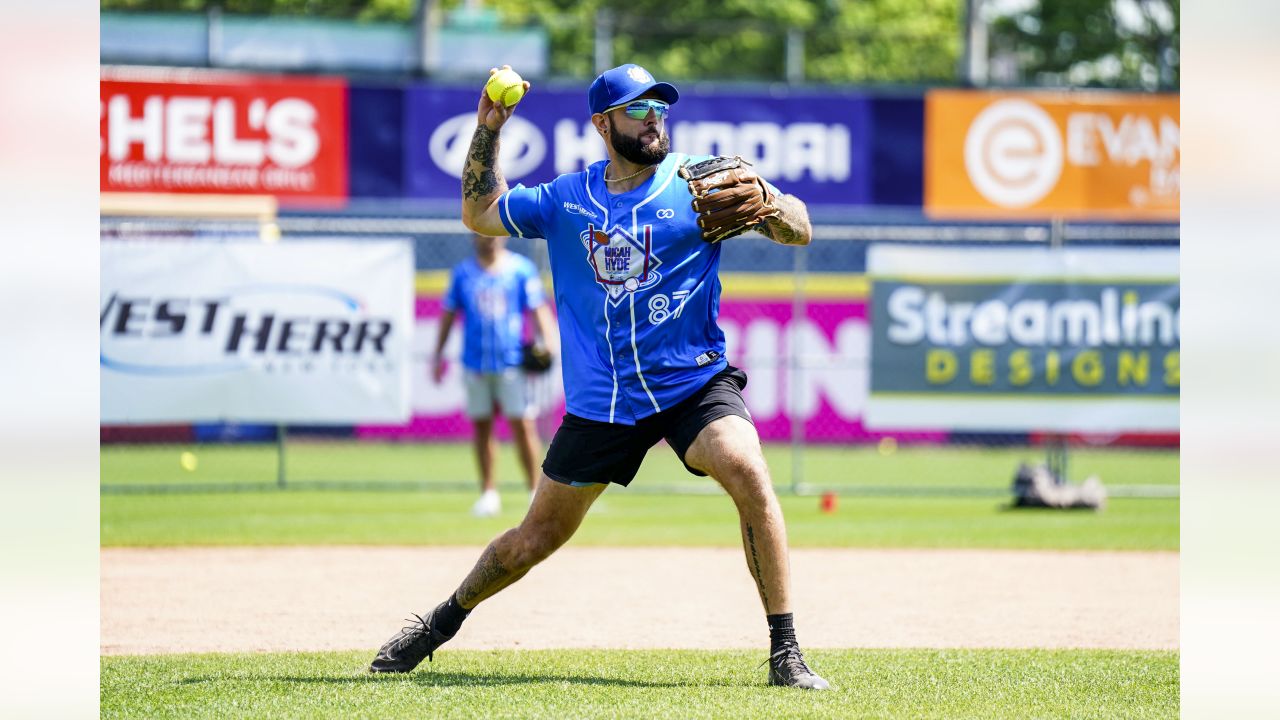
(521,151)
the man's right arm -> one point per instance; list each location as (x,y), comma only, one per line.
(482,181)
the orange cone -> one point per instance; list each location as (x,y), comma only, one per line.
(828,504)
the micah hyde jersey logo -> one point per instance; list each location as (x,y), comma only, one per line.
(622,263)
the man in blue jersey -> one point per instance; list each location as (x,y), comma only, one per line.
(637,293)
(494,290)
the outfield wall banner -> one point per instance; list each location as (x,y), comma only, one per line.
(311,332)
(828,395)
(1014,339)
(818,149)
(200,131)
(1024,155)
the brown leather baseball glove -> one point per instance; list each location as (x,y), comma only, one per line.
(728,196)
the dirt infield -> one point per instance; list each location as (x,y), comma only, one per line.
(331,598)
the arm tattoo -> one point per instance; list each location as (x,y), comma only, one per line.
(755,566)
(791,226)
(480,176)
(487,577)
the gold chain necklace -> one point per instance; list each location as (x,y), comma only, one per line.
(634,174)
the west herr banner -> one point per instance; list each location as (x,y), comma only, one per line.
(1016,339)
(301,332)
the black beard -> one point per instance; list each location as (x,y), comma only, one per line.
(633,151)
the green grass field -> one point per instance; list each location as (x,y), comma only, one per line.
(960,501)
(630,516)
(450,464)
(647,684)
(622,519)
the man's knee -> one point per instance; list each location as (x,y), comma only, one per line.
(727,444)
(738,458)
(740,468)
(751,484)
(534,542)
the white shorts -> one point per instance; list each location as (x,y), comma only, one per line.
(509,388)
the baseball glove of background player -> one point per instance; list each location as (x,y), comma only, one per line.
(729,197)
(535,358)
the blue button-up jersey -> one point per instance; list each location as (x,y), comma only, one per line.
(636,288)
(493,303)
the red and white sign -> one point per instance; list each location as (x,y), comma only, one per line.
(202,131)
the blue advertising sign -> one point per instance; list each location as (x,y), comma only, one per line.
(815,147)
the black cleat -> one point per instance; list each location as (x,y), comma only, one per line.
(406,649)
(787,669)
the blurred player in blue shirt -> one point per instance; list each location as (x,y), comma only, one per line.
(637,293)
(493,291)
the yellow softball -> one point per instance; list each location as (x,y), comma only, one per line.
(505,86)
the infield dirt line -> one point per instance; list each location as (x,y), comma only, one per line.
(169,600)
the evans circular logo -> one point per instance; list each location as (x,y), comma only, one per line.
(521,151)
(1013,153)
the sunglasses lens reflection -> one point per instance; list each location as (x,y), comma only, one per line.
(640,109)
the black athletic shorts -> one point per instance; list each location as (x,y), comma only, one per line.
(586,452)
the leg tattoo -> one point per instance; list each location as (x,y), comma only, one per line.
(486,578)
(755,566)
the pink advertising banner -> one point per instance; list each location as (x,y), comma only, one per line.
(825,388)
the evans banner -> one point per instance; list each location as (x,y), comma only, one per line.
(829,395)
(990,154)
(313,332)
(817,149)
(1013,339)
(201,131)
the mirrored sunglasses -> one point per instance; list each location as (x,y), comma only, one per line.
(639,109)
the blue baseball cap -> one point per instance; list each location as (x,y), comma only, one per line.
(624,84)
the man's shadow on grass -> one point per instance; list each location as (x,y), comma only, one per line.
(429,678)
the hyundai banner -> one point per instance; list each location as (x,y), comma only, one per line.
(815,148)
(200,131)
(314,332)
(1014,339)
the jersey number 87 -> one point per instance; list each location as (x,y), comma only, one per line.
(660,306)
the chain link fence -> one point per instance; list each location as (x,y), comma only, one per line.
(796,319)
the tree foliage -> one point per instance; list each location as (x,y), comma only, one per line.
(891,41)
(1081,42)
(866,41)
(384,10)
(1099,43)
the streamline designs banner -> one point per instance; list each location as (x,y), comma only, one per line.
(1016,339)
(300,332)
(816,148)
